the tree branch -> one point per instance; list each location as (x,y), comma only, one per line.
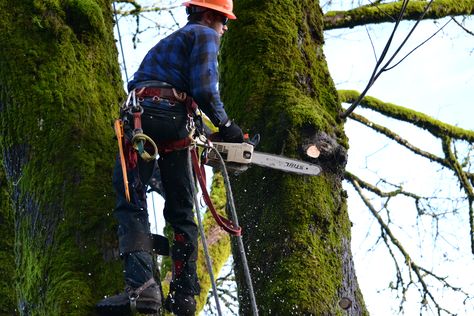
(422,203)
(386,12)
(419,271)
(374,189)
(443,131)
(463,27)
(464,181)
(138,8)
(390,134)
(421,120)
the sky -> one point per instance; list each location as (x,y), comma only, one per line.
(437,79)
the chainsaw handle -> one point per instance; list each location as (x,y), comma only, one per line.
(215,137)
(254,141)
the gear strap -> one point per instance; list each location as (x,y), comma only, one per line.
(138,241)
(223,222)
(133,295)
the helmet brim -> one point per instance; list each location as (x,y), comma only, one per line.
(227,13)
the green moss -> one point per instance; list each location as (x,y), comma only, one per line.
(7,259)
(59,93)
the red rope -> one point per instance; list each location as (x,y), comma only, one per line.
(223,222)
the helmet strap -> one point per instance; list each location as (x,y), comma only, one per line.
(193,9)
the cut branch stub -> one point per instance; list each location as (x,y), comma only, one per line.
(345,303)
(323,149)
(312,151)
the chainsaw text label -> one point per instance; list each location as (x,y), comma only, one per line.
(294,165)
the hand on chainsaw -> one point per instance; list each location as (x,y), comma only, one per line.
(231,133)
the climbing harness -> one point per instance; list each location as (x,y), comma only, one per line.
(130,147)
(223,222)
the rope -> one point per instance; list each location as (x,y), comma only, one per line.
(235,223)
(120,42)
(154,211)
(223,222)
(243,256)
(203,238)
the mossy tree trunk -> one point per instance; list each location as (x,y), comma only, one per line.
(60,86)
(275,82)
(7,259)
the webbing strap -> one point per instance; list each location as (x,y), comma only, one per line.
(223,222)
(137,241)
(166,147)
(133,295)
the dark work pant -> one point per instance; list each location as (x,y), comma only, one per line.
(162,122)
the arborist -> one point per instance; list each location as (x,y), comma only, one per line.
(179,71)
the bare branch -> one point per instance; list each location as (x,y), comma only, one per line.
(138,9)
(376,72)
(462,26)
(390,134)
(424,204)
(419,271)
(464,181)
(443,131)
(417,46)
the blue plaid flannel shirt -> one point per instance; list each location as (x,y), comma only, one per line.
(187,59)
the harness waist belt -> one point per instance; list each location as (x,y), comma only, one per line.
(165,93)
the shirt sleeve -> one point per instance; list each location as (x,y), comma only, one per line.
(204,75)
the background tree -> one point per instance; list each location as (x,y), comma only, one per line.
(59,89)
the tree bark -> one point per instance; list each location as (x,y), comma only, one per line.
(7,259)
(60,87)
(275,82)
(388,12)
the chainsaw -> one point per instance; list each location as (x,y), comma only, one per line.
(244,154)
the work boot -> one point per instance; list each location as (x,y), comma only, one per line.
(146,300)
(181,304)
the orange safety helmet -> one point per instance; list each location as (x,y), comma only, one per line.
(222,6)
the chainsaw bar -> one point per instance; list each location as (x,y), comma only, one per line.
(243,154)
(285,164)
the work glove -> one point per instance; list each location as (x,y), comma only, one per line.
(231,133)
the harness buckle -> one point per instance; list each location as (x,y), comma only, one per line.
(179,96)
(190,125)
